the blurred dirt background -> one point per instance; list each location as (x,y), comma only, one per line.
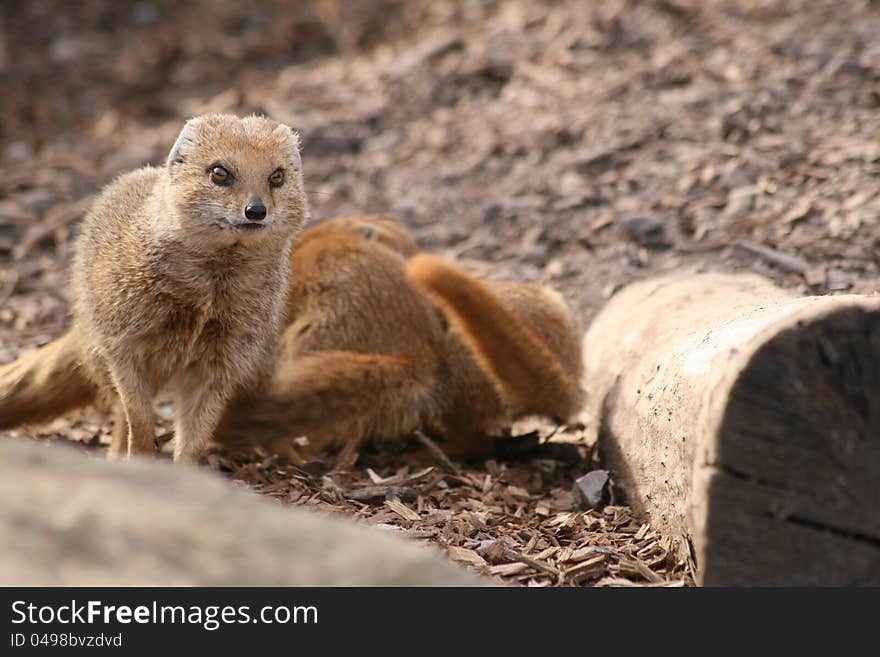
(583,144)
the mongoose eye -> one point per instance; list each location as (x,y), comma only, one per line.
(369,232)
(220,176)
(277,178)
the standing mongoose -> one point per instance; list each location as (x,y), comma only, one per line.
(380,341)
(180,272)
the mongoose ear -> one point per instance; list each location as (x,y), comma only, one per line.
(185,139)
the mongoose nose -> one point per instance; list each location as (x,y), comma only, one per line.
(255,211)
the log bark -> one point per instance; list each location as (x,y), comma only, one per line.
(746,421)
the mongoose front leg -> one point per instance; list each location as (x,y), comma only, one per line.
(136,398)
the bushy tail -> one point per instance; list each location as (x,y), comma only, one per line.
(335,398)
(45,384)
(530,378)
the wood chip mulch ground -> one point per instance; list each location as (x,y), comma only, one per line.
(520,523)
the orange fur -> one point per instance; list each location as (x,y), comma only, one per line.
(531,378)
(369,354)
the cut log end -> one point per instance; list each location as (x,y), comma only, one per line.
(793,494)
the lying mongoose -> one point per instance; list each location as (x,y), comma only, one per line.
(179,276)
(376,347)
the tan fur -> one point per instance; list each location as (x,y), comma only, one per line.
(45,383)
(369,354)
(170,290)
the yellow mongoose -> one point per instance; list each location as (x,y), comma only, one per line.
(180,273)
(376,346)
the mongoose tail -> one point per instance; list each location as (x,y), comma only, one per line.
(321,395)
(45,384)
(530,378)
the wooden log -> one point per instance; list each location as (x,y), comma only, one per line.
(746,421)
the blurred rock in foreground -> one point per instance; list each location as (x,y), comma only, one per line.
(70,520)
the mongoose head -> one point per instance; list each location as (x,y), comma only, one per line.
(383,228)
(237,179)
